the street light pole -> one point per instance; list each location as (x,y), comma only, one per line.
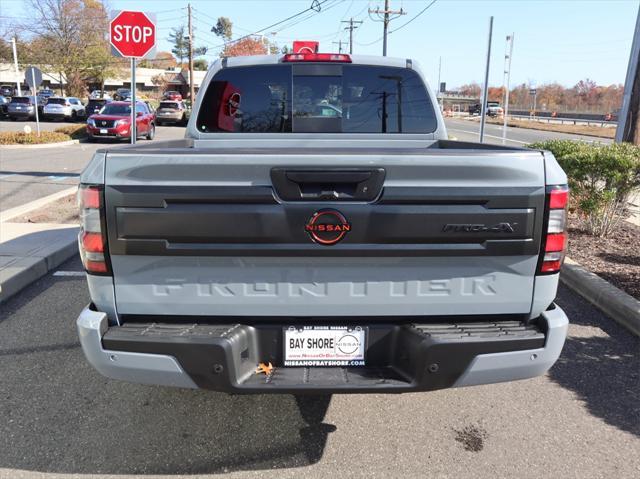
(485,87)
(629,117)
(507,73)
(15,63)
(191,86)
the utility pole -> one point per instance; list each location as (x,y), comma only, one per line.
(485,87)
(15,63)
(351,28)
(192,95)
(629,117)
(339,43)
(506,82)
(387,16)
(439,95)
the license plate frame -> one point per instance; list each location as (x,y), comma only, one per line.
(336,346)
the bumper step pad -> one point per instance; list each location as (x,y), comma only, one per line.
(400,358)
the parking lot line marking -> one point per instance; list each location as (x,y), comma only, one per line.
(2,177)
(58,178)
(69,273)
(488,136)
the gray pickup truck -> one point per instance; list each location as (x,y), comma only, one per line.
(316,231)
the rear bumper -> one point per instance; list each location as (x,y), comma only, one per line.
(116,132)
(401,358)
(170,118)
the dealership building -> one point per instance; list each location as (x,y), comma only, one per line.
(176,79)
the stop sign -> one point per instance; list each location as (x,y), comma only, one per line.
(132,34)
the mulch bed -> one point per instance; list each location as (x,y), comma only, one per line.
(64,210)
(615,259)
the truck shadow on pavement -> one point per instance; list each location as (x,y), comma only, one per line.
(58,415)
(600,362)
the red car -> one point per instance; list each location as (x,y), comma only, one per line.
(172,95)
(114,121)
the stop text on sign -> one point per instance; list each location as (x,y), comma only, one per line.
(132,34)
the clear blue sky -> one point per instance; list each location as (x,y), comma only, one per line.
(555,40)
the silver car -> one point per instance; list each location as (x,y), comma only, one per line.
(22,108)
(59,108)
(174,112)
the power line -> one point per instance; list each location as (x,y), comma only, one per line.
(412,19)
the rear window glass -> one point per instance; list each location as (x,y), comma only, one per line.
(20,99)
(56,101)
(333,98)
(169,104)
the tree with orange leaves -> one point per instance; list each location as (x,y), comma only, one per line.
(245,46)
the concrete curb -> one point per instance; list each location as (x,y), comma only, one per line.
(43,252)
(617,304)
(43,145)
(19,272)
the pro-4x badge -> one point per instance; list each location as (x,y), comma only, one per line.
(479,228)
(327,227)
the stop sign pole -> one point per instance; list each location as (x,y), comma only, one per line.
(132,35)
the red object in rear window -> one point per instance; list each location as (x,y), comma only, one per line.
(301,46)
(317,57)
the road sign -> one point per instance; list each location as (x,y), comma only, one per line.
(132,34)
(33,77)
(532,91)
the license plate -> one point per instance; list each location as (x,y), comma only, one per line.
(103,131)
(324,346)
(18,108)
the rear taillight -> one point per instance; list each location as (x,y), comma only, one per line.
(554,243)
(92,239)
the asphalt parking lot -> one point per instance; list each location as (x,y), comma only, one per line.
(61,417)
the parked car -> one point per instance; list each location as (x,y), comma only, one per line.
(171,112)
(4,105)
(277,249)
(7,90)
(45,94)
(101,94)
(67,108)
(22,108)
(95,105)
(114,121)
(122,94)
(172,95)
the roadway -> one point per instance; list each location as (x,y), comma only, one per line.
(468,130)
(59,416)
(27,174)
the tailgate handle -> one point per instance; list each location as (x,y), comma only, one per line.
(339,184)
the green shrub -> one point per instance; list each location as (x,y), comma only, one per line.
(601,178)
